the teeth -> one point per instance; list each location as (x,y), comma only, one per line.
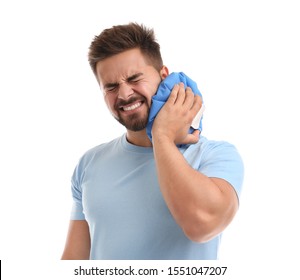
(132,107)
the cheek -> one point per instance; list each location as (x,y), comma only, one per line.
(110,101)
(147,92)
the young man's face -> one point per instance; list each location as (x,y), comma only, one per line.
(128,83)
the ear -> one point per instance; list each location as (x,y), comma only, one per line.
(164,72)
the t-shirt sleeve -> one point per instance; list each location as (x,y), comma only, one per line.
(222,160)
(77,209)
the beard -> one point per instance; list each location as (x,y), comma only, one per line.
(136,121)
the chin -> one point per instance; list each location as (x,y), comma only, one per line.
(137,126)
(134,123)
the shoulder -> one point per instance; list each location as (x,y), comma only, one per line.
(211,149)
(219,159)
(100,150)
(218,148)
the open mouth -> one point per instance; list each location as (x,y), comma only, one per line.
(131,107)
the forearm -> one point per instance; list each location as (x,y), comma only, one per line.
(195,201)
(78,242)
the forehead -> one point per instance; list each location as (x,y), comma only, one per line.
(121,66)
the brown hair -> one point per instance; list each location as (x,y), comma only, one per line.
(120,38)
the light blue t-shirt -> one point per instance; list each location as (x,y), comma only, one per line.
(115,189)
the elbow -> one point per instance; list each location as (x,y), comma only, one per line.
(204,226)
(202,230)
(199,235)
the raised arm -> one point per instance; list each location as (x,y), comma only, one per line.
(202,206)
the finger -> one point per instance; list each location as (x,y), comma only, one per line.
(173,95)
(192,138)
(197,133)
(181,94)
(189,98)
(197,104)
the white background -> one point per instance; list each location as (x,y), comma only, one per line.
(245,58)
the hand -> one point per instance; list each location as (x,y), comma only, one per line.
(173,121)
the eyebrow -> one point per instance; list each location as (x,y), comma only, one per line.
(129,79)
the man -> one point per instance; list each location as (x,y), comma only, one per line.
(170,197)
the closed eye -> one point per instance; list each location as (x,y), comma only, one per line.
(134,81)
(135,78)
(111,87)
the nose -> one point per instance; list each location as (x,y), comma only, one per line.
(125,91)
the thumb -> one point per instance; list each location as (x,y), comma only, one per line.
(192,138)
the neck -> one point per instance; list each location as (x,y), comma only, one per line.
(138,138)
